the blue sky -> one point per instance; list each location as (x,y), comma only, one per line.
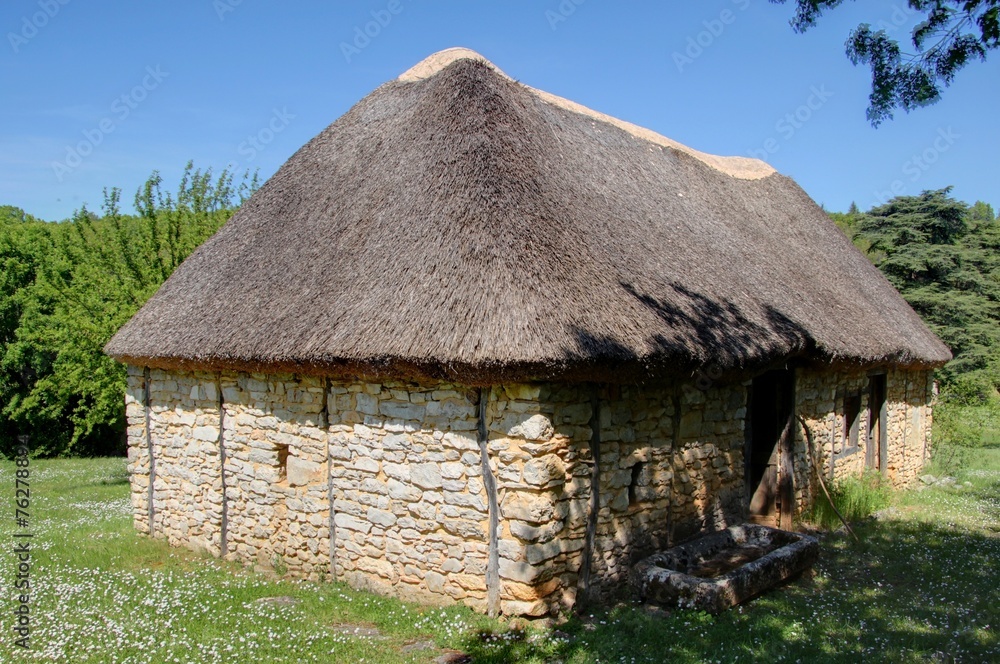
(99,94)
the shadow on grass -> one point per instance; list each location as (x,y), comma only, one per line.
(906,592)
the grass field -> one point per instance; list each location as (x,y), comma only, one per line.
(922,585)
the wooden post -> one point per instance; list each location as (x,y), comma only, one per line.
(595,493)
(490,484)
(786,454)
(224,526)
(675,426)
(324,416)
(149,448)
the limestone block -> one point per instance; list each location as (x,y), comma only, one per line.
(302,471)
(620,501)
(402,491)
(449,409)
(529,427)
(547,470)
(349,522)
(460,441)
(452,470)
(530,533)
(691,424)
(396,441)
(382,568)
(206,433)
(366,403)
(451,565)
(423,510)
(465,500)
(373,486)
(464,528)
(525,506)
(521,572)
(366,464)
(522,391)
(381,518)
(402,411)
(538,553)
(426,475)
(265,457)
(434,582)
(453,486)
(578,414)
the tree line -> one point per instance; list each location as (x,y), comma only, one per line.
(943,256)
(66,288)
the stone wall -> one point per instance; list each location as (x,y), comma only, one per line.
(824,441)
(403,465)
(184,426)
(411,512)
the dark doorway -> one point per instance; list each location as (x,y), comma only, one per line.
(771,427)
(876,451)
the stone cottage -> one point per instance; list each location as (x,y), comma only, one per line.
(477,343)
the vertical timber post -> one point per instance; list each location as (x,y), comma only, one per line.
(786,455)
(490,484)
(927,409)
(907,420)
(586,565)
(149,447)
(224,526)
(675,425)
(324,416)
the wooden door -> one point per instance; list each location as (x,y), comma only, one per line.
(876,450)
(768,455)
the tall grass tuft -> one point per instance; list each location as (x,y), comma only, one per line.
(855,497)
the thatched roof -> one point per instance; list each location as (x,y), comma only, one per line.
(458,224)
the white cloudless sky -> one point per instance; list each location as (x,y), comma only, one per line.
(100,94)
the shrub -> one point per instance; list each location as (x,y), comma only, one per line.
(856,498)
(959,429)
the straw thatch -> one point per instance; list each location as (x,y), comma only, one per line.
(457,224)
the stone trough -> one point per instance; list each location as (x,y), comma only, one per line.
(723,569)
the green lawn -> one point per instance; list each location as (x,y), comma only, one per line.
(920,586)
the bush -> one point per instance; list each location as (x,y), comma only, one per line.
(959,429)
(855,497)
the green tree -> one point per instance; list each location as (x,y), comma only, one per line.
(982,212)
(81,281)
(945,261)
(951,34)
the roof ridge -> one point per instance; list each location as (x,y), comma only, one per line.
(743,168)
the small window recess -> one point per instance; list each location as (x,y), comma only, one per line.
(852,419)
(633,484)
(282,451)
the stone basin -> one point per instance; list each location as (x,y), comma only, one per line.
(720,570)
